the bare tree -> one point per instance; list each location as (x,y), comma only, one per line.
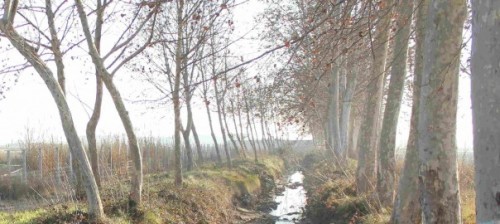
(407,208)
(366,171)
(30,53)
(387,146)
(135,197)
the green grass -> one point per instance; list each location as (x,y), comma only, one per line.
(23,217)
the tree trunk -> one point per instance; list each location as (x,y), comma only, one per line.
(353,137)
(438,111)
(222,130)
(485,80)
(249,130)
(387,146)
(242,136)
(407,207)
(198,144)
(135,196)
(231,136)
(240,141)
(367,157)
(212,133)
(345,117)
(256,139)
(176,94)
(96,113)
(187,132)
(333,115)
(93,198)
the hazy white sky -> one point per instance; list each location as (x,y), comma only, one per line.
(29,103)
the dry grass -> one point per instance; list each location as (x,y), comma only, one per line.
(208,195)
(332,194)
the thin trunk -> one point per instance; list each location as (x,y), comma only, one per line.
(222,130)
(198,144)
(231,137)
(135,196)
(187,132)
(485,81)
(96,113)
(366,171)
(75,145)
(256,139)
(249,130)
(212,133)
(407,207)
(242,146)
(438,111)
(176,94)
(269,136)
(386,175)
(262,130)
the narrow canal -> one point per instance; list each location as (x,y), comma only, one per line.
(292,201)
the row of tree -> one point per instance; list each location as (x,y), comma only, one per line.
(346,64)
(338,68)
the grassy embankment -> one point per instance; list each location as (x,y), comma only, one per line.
(209,195)
(332,193)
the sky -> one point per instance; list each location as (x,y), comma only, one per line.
(29,104)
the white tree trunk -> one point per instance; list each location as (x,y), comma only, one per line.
(333,114)
(135,197)
(366,171)
(438,110)
(75,145)
(407,208)
(345,117)
(485,81)
(387,145)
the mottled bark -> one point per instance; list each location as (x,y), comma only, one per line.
(407,208)
(438,111)
(135,196)
(386,174)
(367,156)
(92,192)
(485,79)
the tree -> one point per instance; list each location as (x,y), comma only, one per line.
(387,146)
(485,79)
(135,197)
(366,171)
(437,112)
(407,207)
(30,53)
(96,113)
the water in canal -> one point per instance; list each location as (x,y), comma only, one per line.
(292,201)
